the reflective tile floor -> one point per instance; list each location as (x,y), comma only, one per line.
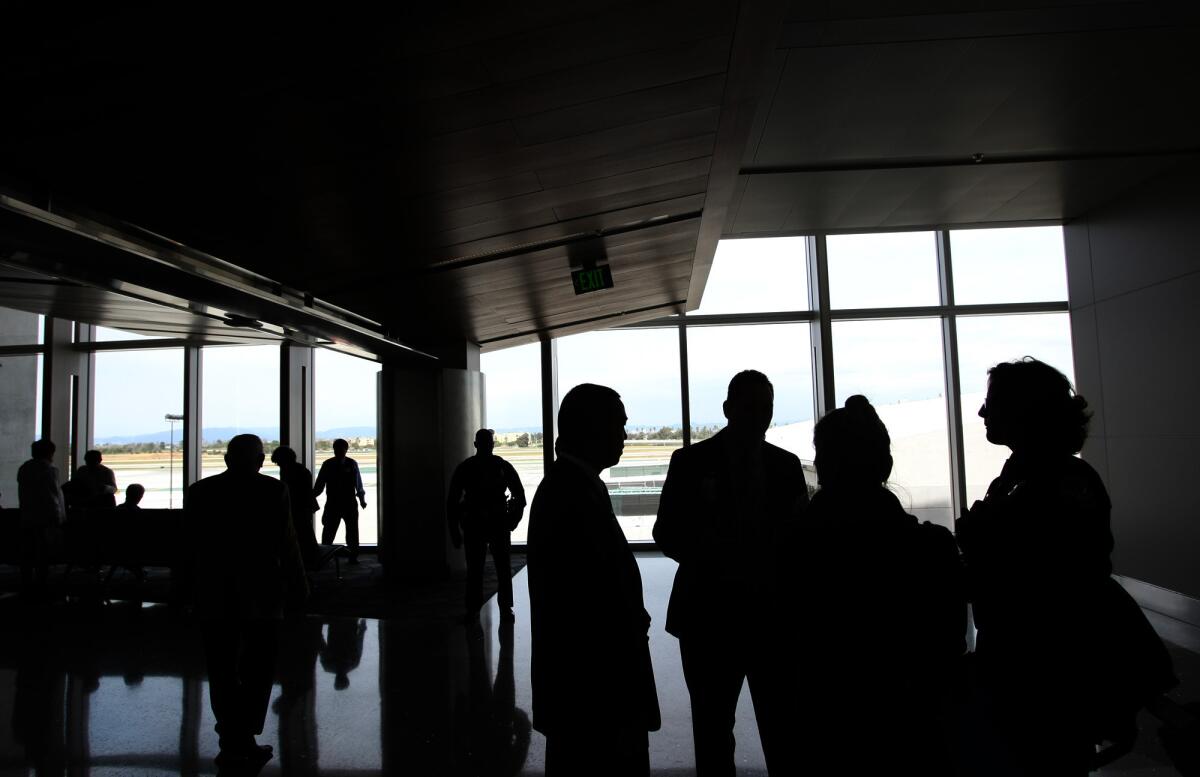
(120,690)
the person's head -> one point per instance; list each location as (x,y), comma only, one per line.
(1030,405)
(749,404)
(283,456)
(340,447)
(92,458)
(485,442)
(591,425)
(853,447)
(245,454)
(42,449)
(134,493)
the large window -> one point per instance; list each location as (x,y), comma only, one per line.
(135,391)
(642,365)
(241,396)
(346,408)
(886,334)
(513,398)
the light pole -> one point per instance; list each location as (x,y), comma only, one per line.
(172,418)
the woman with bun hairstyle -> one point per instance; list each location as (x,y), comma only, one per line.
(1046,609)
(883,609)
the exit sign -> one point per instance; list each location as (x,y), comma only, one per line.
(594,279)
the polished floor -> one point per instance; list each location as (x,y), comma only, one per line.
(120,690)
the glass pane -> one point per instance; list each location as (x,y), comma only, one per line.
(135,390)
(898,366)
(346,405)
(241,396)
(513,392)
(642,365)
(20,401)
(103,334)
(885,270)
(783,352)
(983,342)
(20,328)
(757,275)
(1020,264)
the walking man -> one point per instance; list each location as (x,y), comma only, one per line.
(342,482)
(485,503)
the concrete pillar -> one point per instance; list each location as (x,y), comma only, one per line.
(18,399)
(60,389)
(193,419)
(296,409)
(427,422)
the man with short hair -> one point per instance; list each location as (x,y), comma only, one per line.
(42,513)
(246,569)
(593,684)
(485,503)
(93,487)
(723,506)
(341,480)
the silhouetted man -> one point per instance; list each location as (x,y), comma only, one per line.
(340,479)
(723,505)
(133,498)
(93,487)
(300,485)
(485,503)
(42,513)
(246,568)
(593,683)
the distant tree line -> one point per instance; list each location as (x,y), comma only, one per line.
(133,447)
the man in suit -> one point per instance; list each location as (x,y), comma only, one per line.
(300,483)
(483,516)
(723,505)
(246,568)
(340,478)
(593,684)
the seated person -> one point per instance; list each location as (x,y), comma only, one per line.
(123,531)
(133,498)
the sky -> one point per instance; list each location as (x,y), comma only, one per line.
(889,361)
(135,389)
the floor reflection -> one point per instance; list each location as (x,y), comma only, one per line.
(120,689)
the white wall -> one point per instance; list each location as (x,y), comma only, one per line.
(1134,274)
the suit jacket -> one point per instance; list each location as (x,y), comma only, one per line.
(591,667)
(245,559)
(719,517)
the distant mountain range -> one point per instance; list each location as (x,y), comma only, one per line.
(212,434)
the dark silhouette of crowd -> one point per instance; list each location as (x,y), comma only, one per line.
(847,616)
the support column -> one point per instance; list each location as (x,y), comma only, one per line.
(824,395)
(427,422)
(59,394)
(954,416)
(193,422)
(549,402)
(297,415)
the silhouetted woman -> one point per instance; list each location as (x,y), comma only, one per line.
(1037,553)
(882,613)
